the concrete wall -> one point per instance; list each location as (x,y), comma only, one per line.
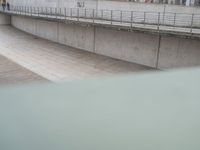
(76,36)
(4,19)
(178,52)
(130,46)
(147,49)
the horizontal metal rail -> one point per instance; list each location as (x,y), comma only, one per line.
(113,17)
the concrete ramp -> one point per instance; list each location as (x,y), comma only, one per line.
(57,62)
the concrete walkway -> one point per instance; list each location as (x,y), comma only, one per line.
(57,62)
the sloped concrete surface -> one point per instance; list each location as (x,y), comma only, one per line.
(12,73)
(57,62)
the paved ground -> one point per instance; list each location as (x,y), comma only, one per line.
(56,62)
(12,73)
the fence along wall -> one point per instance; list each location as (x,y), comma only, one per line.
(169,14)
(156,51)
(107,5)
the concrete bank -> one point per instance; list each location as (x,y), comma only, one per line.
(4,19)
(158,51)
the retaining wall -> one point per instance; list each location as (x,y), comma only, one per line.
(156,51)
(4,19)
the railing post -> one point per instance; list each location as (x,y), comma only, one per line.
(51,11)
(31,11)
(85,14)
(77,14)
(144,18)
(159,21)
(192,20)
(56,13)
(131,19)
(65,13)
(71,12)
(111,17)
(174,19)
(60,13)
(121,16)
(102,13)
(42,11)
(93,15)
(46,12)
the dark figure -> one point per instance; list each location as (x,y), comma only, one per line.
(4,5)
(8,6)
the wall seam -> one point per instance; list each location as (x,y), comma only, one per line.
(36,24)
(94,42)
(10,19)
(158,52)
(57,32)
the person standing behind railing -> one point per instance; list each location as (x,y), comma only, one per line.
(8,6)
(4,5)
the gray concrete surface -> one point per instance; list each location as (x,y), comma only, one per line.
(4,19)
(12,73)
(117,44)
(57,62)
(141,48)
(129,46)
(178,52)
(76,36)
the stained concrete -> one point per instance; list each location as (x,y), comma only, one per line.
(76,36)
(178,52)
(130,46)
(47,30)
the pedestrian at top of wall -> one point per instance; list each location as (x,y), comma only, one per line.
(8,6)
(4,5)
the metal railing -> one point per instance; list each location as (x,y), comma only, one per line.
(113,17)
